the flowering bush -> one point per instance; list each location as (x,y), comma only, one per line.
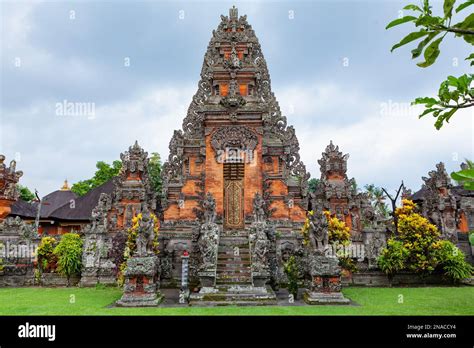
(46,258)
(418,248)
(337,230)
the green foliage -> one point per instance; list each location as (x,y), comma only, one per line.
(104,173)
(347,263)
(291,270)
(418,248)
(471,237)
(69,254)
(452,262)
(377,199)
(313,184)
(154,171)
(393,257)
(25,193)
(454,93)
(465,176)
(46,258)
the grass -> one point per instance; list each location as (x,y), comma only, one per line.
(371,301)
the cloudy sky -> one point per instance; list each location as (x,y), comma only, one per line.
(138,64)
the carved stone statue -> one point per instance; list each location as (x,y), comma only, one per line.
(208,244)
(374,249)
(259,208)
(146,235)
(318,228)
(99,213)
(209,205)
(259,246)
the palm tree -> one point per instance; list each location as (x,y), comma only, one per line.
(377,199)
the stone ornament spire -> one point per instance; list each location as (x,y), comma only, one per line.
(333,162)
(9,193)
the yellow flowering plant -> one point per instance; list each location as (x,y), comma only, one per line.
(419,248)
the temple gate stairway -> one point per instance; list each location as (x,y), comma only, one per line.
(234,285)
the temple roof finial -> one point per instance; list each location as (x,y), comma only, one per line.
(234,13)
(65,186)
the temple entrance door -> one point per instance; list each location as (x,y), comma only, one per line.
(234,196)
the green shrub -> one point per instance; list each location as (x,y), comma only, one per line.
(46,258)
(451,261)
(420,249)
(393,257)
(471,237)
(291,270)
(69,254)
(347,263)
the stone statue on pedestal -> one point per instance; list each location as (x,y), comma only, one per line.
(146,235)
(318,235)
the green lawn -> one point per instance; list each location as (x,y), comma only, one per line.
(371,301)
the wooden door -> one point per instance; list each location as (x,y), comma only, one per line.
(234,196)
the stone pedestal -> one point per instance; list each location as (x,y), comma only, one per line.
(325,281)
(207,278)
(141,288)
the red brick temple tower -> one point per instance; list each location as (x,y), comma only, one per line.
(236,146)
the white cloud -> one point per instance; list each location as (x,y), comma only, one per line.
(385,139)
(53,147)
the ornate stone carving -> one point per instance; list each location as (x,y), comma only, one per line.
(240,138)
(209,205)
(208,243)
(325,287)
(439,204)
(114,213)
(9,193)
(145,235)
(259,208)
(231,31)
(17,228)
(374,248)
(99,213)
(141,288)
(259,247)
(318,232)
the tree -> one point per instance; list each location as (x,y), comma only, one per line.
(465,176)
(104,173)
(313,184)
(154,171)
(25,193)
(393,200)
(377,199)
(456,92)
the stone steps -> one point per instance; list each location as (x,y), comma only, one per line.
(235,295)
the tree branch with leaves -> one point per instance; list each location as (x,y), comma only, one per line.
(456,92)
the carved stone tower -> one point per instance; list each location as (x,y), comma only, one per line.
(9,177)
(234,144)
